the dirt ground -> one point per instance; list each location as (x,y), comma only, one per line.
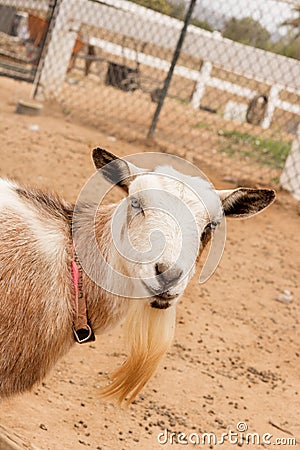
(236,352)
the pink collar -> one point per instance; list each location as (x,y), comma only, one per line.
(81,327)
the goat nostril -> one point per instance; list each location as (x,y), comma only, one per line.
(166,274)
(160,268)
(179,273)
(157,272)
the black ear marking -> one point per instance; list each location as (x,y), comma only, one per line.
(244,202)
(114,169)
(101,157)
(206,235)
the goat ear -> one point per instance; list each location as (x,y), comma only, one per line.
(114,169)
(244,202)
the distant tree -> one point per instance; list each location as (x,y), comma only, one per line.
(201,24)
(173,8)
(177,9)
(294,23)
(287,46)
(292,49)
(247,31)
(161,6)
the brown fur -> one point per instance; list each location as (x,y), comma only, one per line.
(35,312)
(36,294)
(37,301)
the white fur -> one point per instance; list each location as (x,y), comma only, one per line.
(48,240)
(174,205)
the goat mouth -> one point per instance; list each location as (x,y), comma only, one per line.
(161,299)
(160,304)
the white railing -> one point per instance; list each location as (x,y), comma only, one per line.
(129,19)
(203,79)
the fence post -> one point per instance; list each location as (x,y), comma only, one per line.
(272,103)
(171,70)
(204,76)
(290,177)
(57,51)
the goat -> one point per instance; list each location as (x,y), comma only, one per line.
(39,276)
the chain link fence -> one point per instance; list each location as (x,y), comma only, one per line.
(23,28)
(233,102)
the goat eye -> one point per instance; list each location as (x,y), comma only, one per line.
(211,226)
(135,204)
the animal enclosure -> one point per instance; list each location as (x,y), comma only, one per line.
(230,105)
(234,354)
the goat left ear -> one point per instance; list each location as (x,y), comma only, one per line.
(244,202)
(114,169)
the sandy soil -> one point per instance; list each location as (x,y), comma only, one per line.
(236,353)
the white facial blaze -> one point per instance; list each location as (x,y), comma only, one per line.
(161,222)
(156,230)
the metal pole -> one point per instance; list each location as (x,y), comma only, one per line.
(58,49)
(52,7)
(171,70)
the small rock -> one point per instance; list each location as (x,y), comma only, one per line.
(43,427)
(286,297)
(34,128)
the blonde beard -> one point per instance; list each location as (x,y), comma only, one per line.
(148,335)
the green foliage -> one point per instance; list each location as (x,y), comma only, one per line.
(157,5)
(268,152)
(287,47)
(294,23)
(250,32)
(201,24)
(247,31)
(203,126)
(173,8)
(177,9)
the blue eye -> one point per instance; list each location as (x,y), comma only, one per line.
(135,204)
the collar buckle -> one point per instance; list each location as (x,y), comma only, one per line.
(81,326)
(84,335)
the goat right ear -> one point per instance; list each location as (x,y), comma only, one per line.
(114,169)
(245,202)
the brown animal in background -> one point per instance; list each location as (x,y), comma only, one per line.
(38,27)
